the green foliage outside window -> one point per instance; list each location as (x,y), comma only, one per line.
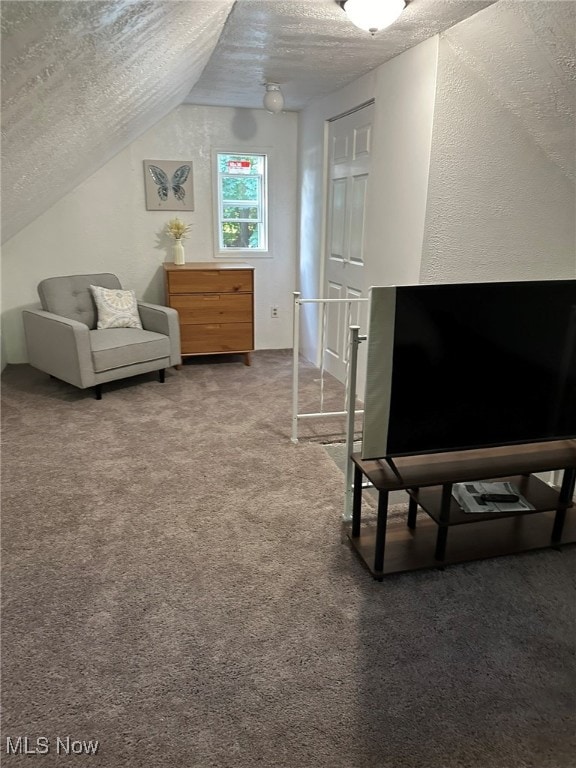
(238,188)
(240,234)
(240,212)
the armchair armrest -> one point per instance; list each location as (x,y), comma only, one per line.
(162,320)
(59,346)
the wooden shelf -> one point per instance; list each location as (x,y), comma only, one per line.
(541,496)
(461,466)
(428,479)
(413,549)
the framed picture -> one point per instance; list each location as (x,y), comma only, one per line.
(168,185)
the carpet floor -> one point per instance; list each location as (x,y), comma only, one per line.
(176,586)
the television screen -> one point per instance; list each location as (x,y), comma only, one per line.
(471,365)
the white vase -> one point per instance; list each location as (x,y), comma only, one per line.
(178,252)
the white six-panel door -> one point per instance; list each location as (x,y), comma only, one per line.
(345,273)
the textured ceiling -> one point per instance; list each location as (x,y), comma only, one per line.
(81,80)
(310,48)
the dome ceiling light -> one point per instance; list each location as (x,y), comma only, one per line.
(273,98)
(372,15)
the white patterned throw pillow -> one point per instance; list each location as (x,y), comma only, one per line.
(116,308)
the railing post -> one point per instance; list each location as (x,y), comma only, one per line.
(351,397)
(295,362)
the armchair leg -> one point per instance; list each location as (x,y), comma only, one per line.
(98,391)
(161,375)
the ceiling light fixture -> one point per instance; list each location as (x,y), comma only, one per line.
(372,15)
(273,99)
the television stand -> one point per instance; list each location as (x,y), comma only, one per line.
(428,480)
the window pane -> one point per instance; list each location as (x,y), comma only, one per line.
(240,188)
(241,164)
(242,201)
(240,212)
(240,235)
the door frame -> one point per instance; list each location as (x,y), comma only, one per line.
(325,215)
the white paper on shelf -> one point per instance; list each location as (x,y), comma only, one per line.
(468,496)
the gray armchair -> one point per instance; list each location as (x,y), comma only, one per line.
(62,339)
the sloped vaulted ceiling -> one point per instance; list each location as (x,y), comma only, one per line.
(81,80)
(540,89)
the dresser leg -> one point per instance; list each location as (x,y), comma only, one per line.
(247,360)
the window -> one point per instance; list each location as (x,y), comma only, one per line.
(242,202)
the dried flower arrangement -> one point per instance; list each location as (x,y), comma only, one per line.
(177,229)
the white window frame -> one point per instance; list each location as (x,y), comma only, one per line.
(264,203)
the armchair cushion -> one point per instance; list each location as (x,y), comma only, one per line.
(116,308)
(117,347)
(70,296)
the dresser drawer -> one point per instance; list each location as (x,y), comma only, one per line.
(211,281)
(206,338)
(213,307)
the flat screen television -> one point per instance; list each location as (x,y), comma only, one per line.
(470,365)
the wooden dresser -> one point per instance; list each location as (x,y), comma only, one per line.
(215,302)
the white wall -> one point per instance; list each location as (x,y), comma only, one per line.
(403,90)
(396,210)
(501,200)
(103,224)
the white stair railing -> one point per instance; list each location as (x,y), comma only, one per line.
(321,414)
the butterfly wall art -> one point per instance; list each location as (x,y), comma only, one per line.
(168,185)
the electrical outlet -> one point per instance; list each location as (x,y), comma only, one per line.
(273,311)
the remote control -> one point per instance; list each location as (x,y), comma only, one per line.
(499,497)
